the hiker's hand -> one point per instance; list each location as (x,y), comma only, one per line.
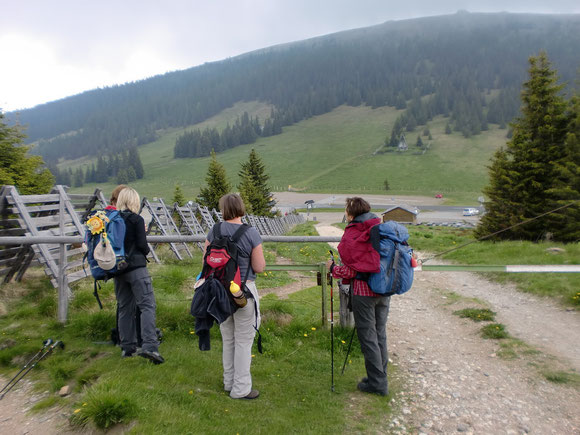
(329,263)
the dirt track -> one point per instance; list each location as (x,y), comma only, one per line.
(455,381)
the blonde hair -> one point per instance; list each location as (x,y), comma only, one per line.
(129,200)
(115,194)
(232,206)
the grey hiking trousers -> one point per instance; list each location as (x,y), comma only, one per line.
(370,317)
(135,289)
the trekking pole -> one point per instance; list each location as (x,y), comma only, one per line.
(348,350)
(331,328)
(47,352)
(45,344)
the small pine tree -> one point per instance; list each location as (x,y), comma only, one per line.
(123,176)
(78,177)
(101,174)
(386,184)
(253,186)
(178,196)
(447,129)
(217,184)
(179,199)
(135,162)
(131,175)
(419,143)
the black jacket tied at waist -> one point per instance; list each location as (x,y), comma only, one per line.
(210,303)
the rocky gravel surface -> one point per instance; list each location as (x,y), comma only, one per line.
(454,380)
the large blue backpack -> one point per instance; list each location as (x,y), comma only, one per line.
(106,226)
(396,275)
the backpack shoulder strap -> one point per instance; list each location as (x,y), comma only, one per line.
(375,237)
(240,232)
(217,230)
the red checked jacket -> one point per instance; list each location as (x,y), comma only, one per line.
(357,253)
(359,287)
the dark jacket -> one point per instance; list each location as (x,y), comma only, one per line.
(210,303)
(355,248)
(136,247)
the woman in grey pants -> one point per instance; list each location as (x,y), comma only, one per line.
(133,288)
(238,330)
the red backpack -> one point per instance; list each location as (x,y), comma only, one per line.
(221,262)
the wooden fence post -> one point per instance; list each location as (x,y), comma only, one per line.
(63,290)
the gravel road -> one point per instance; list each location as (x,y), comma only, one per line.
(454,380)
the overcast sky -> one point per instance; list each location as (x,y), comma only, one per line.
(53,49)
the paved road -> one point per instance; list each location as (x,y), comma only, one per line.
(430,209)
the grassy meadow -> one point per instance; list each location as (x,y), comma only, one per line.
(330,153)
(185,394)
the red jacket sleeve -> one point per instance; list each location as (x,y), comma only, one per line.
(343,272)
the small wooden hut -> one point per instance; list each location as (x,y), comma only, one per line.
(400,214)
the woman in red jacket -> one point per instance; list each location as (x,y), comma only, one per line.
(370,310)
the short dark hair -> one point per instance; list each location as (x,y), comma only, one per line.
(115,193)
(232,206)
(356,206)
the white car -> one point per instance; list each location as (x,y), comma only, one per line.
(470,212)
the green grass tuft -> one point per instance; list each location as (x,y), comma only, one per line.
(476,314)
(494,331)
(104,410)
(46,403)
(562,377)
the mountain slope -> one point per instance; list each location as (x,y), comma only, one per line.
(334,153)
(456,59)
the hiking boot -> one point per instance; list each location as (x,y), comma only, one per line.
(252,395)
(365,388)
(127,353)
(154,357)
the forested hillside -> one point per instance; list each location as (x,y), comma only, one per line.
(466,66)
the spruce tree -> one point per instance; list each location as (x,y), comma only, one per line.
(26,172)
(135,161)
(566,188)
(499,214)
(101,174)
(253,186)
(179,199)
(217,184)
(522,180)
(178,196)
(78,177)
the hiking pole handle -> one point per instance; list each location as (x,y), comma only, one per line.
(44,354)
(45,344)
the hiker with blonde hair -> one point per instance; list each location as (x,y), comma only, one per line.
(133,287)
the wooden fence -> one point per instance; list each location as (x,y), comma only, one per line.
(59,215)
